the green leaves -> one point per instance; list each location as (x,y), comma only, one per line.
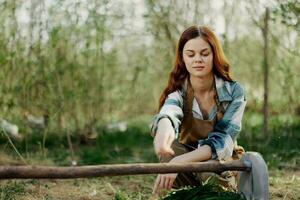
(204,192)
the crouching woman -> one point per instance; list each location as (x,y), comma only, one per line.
(200,111)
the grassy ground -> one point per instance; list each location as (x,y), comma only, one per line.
(280,150)
(284,184)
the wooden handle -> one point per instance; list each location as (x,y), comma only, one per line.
(28,172)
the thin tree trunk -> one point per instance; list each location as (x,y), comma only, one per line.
(266,71)
(25,172)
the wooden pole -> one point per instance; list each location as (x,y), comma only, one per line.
(41,172)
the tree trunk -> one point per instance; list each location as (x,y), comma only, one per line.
(266,72)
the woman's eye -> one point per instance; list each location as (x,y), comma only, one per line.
(190,55)
(205,54)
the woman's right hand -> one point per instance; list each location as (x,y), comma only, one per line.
(164,138)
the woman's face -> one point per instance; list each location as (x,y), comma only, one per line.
(198,57)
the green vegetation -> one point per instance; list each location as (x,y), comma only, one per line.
(135,144)
(12,190)
(204,192)
(131,146)
(83,66)
(282,147)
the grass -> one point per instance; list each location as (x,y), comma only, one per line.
(11,190)
(204,192)
(284,184)
(134,146)
(282,145)
(124,187)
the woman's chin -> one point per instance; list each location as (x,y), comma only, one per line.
(200,74)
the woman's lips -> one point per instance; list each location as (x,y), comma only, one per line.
(199,67)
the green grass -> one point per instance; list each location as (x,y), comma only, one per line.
(284,184)
(282,145)
(134,146)
(204,192)
(12,190)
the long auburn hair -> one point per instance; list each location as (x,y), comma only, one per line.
(179,73)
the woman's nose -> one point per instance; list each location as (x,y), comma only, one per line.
(198,58)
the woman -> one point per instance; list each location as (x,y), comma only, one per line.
(201,110)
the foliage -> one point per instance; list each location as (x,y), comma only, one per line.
(289,10)
(205,192)
(135,144)
(131,146)
(281,147)
(87,63)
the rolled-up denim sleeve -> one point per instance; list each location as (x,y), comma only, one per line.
(222,138)
(171,109)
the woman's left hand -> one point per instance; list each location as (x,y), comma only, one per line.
(165,181)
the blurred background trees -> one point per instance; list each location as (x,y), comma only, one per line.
(89,62)
(80,81)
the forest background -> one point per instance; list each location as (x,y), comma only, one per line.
(94,70)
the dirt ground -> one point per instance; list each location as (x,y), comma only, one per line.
(284,184)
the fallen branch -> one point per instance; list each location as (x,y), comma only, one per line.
(28,172)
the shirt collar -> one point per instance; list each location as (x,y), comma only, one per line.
(223,89)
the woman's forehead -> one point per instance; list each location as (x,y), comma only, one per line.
(196,44)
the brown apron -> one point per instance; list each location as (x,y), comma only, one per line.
(192,130)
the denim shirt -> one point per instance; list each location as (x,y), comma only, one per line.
(222,139)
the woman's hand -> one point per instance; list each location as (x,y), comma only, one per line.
(164,137)
(165,181)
